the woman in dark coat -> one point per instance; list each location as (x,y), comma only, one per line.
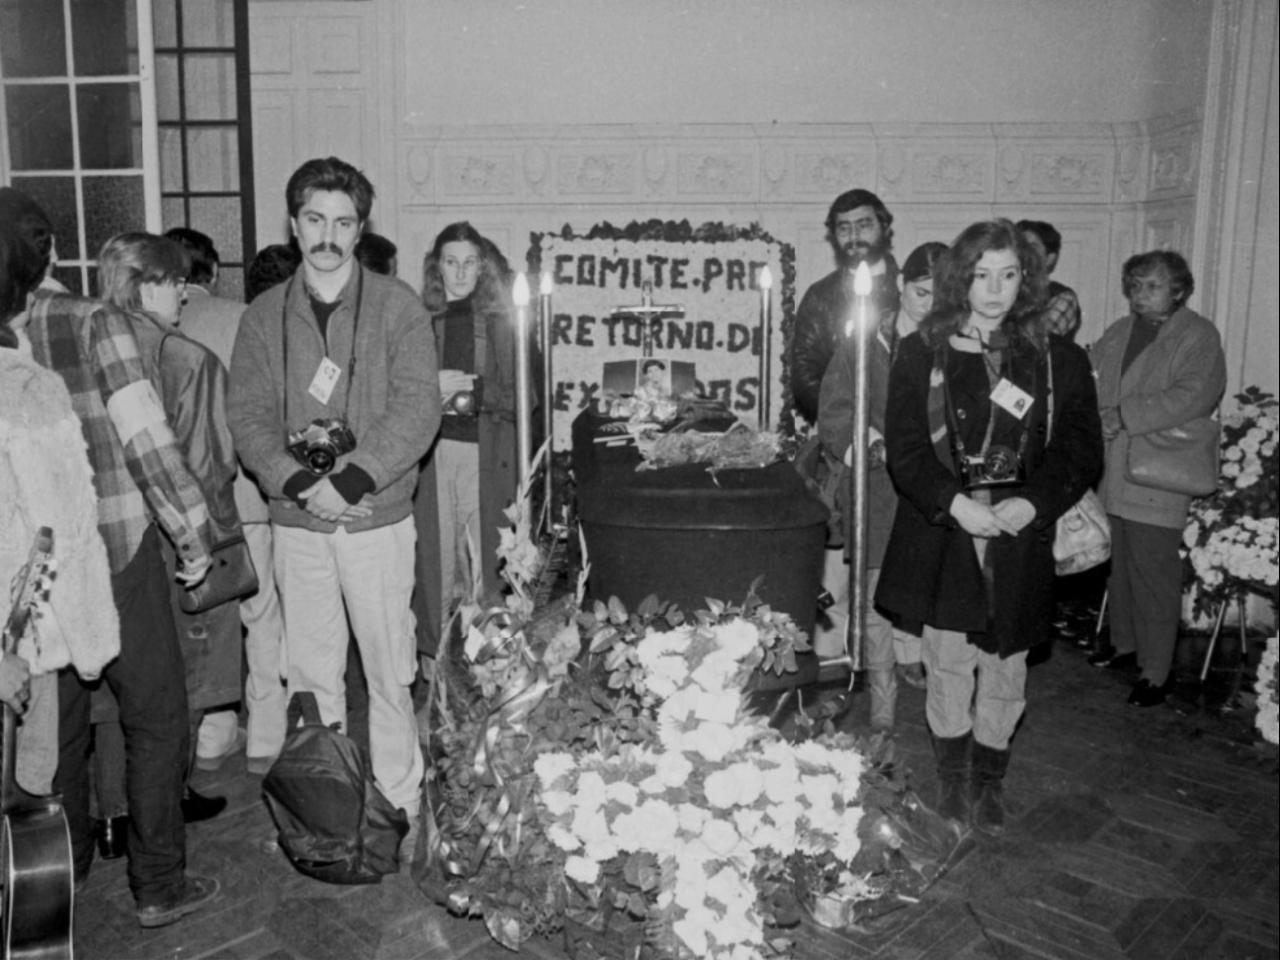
(470,474)
(982,477)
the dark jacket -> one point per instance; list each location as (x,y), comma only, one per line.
(499,468)
(835,427)
(820,322)
(931,572)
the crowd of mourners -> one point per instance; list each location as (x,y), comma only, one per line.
(356,438)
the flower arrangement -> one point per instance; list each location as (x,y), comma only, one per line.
(1230,541)
(710,799)
(1268,719)
(595,768)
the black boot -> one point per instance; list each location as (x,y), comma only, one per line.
(988,792)
(952,754)
(197,807)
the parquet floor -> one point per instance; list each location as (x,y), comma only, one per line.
(1139,834)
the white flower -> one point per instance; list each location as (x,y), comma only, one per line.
(550,767)
(557,802)
(563,838)
(737,638)
(692,933)
(739,785)
(622,792)
(721,707)
(721,839)
(582,869)
(673,769)
(712,740)
(692,818)
(591,790)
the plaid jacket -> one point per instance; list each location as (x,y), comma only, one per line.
(138,472)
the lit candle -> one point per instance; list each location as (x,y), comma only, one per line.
(766,336)
(860,328)
(548,393)
(524,451)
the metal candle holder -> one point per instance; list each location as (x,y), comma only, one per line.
(861,325)
(524,416)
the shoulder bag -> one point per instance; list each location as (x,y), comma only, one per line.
(1182,459)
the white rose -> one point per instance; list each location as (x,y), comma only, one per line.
(557,802)
(582,869)
(737,638)
(550,767)
(673,769)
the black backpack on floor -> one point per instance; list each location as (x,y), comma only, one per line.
(335,824)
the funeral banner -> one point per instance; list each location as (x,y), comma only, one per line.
(695,296)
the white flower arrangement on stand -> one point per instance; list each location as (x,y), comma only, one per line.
(1268,719)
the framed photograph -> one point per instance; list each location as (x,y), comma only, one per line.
(650,378)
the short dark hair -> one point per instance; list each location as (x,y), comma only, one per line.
(851,200)
(652,362)
(329,173)
(270,266)
(30,222)
(1174,264)
(1047,233)
(21,270)
(919,265)
(375,252)
(201,251)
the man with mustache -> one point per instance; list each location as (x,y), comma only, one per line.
(334,398)
(859,229)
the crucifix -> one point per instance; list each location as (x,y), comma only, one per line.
(649,312)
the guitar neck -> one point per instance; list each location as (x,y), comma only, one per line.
(30,580)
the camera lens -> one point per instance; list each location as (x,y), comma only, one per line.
(320,460)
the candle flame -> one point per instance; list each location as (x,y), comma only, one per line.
(766,278)
(862,280)
(520,290)
(545,287)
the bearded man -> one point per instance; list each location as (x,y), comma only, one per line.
(859,229)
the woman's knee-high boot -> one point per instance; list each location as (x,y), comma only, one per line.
(883,686)
(952,754)
(989,766)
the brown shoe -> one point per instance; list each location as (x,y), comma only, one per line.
(196,892)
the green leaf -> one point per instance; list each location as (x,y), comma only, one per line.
(617,612)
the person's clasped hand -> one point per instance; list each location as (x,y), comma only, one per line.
(15,682)
(324,502)
(1111,424)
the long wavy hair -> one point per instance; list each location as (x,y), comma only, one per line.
(128,260)
(953,277)
(492,293)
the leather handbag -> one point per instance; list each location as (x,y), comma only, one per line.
(231,577)
(1082,539)
(1182,459)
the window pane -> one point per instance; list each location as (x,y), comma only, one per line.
(33,39)
(112,205)
(110,126)
(39,119)
(57,198)
(213,159)
(172,213)
(219,217)
(170,159)
(104,37)
(208,23)
(211,86)
(164,23)
(70,278)
(167,98)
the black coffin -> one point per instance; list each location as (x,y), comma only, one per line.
(685,536)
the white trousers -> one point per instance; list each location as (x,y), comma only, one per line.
(972,690)
(264,690)
(458,492)
(367,577)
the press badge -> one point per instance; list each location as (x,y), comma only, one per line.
(325,380)
(1011,398)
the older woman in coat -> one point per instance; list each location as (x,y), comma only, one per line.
(982,475)
(1161,366)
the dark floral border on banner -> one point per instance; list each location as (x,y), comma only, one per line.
(682,231)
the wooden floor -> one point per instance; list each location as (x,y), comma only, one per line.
(1135,834)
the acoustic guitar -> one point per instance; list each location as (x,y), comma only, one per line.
(38,886)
